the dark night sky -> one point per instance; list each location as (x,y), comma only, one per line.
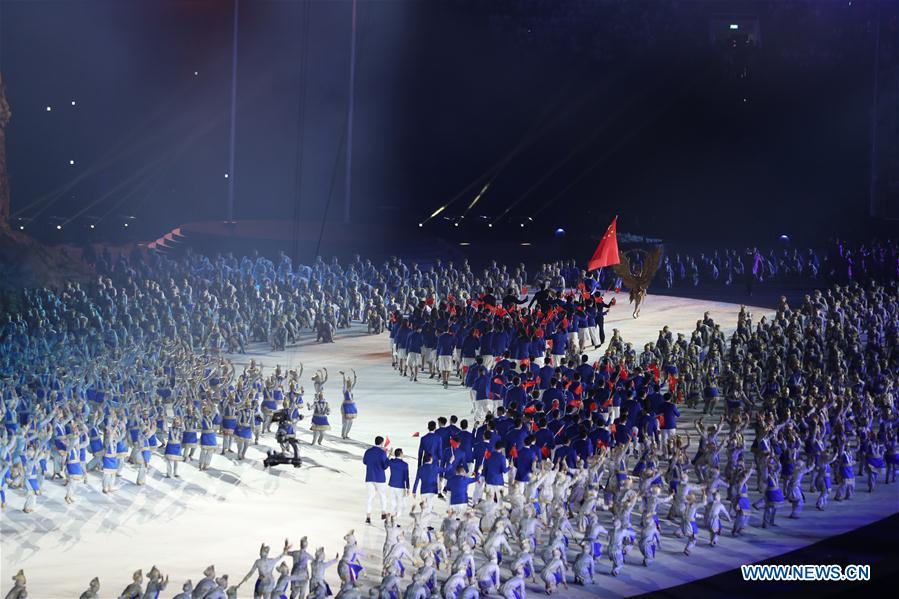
(445,90)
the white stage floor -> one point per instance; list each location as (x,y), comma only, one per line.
(222,516)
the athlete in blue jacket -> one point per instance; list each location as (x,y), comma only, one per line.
(457,486)
(524,463)
(398,483)
(430,443)
(375,460)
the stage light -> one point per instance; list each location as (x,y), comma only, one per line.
(464,243)
(734,26)
(71,163)
(226,175)
(526,243)
(196,73)
(421,224)
(478,197)
(93,226)
(49,108)
(59,227)
(125,225)
(73,102)
(490,225)
(560,232)
(785,237)
(455,224)
(522,225)
(21,227)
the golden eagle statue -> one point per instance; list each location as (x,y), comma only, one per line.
(637,275)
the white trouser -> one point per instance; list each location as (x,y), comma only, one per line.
(668,432)
(428,499)
(481,407)
(496,490)
(457,508)
(397,500)
(478,491)
(381,490)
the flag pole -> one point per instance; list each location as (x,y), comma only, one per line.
(614,220)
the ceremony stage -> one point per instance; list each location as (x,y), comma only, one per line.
(221,517)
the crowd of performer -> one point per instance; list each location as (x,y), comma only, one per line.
(129,371)
(838,262)
(562,453)
(577,457)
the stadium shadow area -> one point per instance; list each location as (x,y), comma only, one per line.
(873,545)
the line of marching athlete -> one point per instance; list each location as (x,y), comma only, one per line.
(446,339)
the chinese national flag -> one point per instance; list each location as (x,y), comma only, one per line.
(606,253)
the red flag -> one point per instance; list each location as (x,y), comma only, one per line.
(386,443)
(416,434)
(606,253)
